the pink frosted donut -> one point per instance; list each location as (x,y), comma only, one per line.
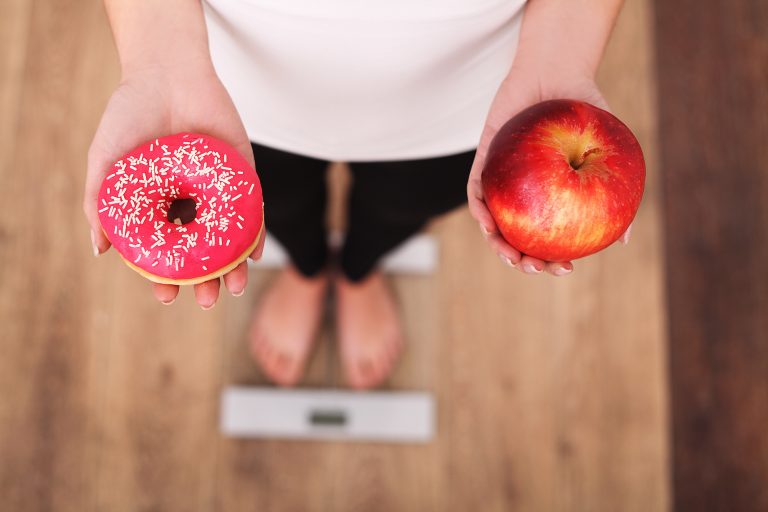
(182,209)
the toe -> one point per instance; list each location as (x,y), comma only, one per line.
(393,349)
(355,374)
(261,351)
(279,366)
(288,369)
(269,361)
(366,373)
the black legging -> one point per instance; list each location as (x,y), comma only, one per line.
(388,202)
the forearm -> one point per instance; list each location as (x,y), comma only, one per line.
(565,36)
(152,33)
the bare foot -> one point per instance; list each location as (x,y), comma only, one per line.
(285,325)
(369,330)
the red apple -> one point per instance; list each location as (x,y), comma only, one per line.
(563,179)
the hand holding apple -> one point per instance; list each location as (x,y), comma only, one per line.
(563,179)
(520,90)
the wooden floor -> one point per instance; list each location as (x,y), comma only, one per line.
(551,392)
(714,138)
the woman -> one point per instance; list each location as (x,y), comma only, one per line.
(409,92)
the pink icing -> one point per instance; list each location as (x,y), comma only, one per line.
(136,194)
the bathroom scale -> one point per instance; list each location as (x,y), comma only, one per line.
(274,413)
(333,414)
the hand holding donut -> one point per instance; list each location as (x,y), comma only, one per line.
(154,100)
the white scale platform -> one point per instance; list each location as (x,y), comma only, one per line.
(326,414)
(380,416)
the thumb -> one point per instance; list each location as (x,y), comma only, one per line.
(259,250)
(97,163)
(245,149)
(475,198)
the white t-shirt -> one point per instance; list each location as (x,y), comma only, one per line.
(363,80)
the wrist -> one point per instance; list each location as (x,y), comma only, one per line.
(552,67)
(562,40)
(159,35)
(547,77)
(171,64)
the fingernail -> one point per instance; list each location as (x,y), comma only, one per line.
(626,235)
(168,302)
(93,244)
(484,231)
(238,294)
(530,269)
(506,260)
(206,308)
(561,271)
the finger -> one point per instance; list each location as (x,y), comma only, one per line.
(477,206)
(96,161)
(259,250)
(508,254)
(236,279)
(475,197)
(627,234)
(116,134)
(599,101)
(529,265)
(101,157)
(245,149)
(557,268)
(165,293)
(207,293)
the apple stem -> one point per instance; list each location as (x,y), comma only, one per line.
(577,163)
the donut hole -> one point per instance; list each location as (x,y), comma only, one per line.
(182,211)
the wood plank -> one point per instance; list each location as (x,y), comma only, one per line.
(15,17)
(46,377)
(713,106)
